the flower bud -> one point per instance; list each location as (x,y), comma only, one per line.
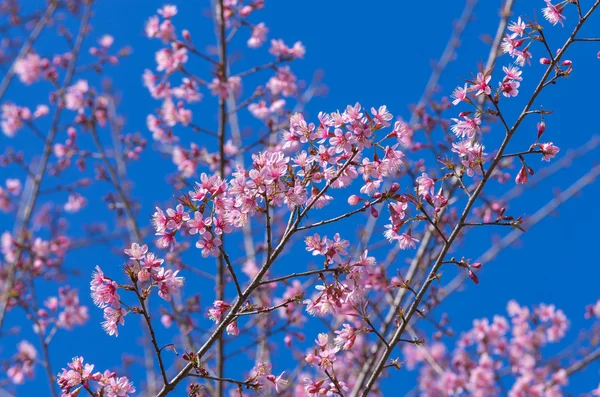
(354,199)
(541,127)
(522,175)
(395,187)
(473,277)
(374,212)
(545,61)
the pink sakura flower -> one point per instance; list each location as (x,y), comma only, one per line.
(518,27)
(284,82)
(12,118)
(166,240)
(75,96)
(382,116)
(509,88)
(169,59)
(222,89)
(172,114)
(279,49)
(260,110)
(329,300)
(77,374)
(104,290)
(188,90)
(168,283)
(259,35)
(523,57)
(314,389)
(136,252)
(467,127)
(549,151)
(460,94)
(472,155)
(119,387)
(345,337)
(112,318)
(166,320)
(198,225)
(424,185)
(159,220)
(75,203)
(403,132)
(106,41)
(278,381)
(73,312)
(553,13)
(13,186)
(177,217)
(209,245)
(510,44)
(40,111)
(216,312)
(481,84)
(23,363)
(512,73)
(295,196)
(405,241)
(151,261)
(30,68)
(164,30)
(168,11)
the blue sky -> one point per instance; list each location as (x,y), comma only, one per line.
(376,54)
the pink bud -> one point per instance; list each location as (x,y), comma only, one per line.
(186,35)
(567,63)
(374,212)
(545,61)
(473,277)
(476,265)
(377,195)
(541,127)
(395,187)
(166,320)
(354,199)
(522,175)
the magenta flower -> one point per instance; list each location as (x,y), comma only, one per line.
(549,151)
(168,283)
(136,252)
(553,13)
(209,245)
(460,94)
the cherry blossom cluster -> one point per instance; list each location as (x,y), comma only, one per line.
(267,103)
(145,267)
(80,376)
(492,350)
